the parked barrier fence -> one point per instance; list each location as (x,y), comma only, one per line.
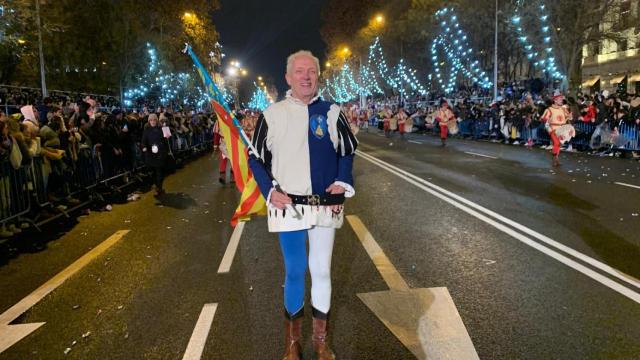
(589,136)
(14,191)
(26,190)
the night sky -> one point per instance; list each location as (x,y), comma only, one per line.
(261,34)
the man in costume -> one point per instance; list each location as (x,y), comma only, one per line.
(306,144)
(554,118)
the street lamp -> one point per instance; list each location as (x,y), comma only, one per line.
(379,19)
(327,64)
(234,70)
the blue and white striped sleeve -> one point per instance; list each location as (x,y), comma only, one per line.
(260,163)
(347,144)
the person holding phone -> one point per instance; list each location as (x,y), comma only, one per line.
(156,150)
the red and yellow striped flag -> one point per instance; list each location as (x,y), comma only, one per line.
(251,201)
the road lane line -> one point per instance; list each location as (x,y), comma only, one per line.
(593,262)
(483,155)
(232,247)
(201,332)
(627,185)
(416,142)
(559,257)
(381,261)
(30,300)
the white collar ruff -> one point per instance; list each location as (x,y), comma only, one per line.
(298,101)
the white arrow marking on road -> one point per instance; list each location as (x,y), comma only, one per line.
(483,155)
(232,247)
(11,334)
(484,214)
(416,142)
(201,332)
(426,321)
(627,185)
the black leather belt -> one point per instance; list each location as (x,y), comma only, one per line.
(318,200)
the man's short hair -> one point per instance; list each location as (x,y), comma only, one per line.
(301,53)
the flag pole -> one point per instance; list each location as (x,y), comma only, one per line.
(214,93)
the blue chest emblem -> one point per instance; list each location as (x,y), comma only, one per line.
(318,125)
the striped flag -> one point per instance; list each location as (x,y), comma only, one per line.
(251,200)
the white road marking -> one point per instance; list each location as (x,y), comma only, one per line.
(593,262)
(232,247)
(201,332)
(416,142)
(425,320)
(462,203)
(380,260)
(483,155)
(30,300)
(627,185)
(10,334)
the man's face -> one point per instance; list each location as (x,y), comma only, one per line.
(303,78)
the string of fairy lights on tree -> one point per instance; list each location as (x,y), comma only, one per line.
(406,75)
(165,86)
(378,65)
(372,77)
(343,87)
(541,58)
(457,55)
(260,99)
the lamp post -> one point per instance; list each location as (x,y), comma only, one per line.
(235,71)
(375,24)
(41,53)
(495,58)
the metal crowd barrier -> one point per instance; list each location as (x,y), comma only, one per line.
(85,174)
(627,138)
(631,134)
(14,192)
(28,185)
(39,178)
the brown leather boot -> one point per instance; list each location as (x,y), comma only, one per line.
(292,335)
(319,338)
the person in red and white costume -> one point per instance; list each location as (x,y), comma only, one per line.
(443,115)
(402,120)
(223,155)
(554,117)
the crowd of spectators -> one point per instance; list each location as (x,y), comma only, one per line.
(516,118)
(58,131)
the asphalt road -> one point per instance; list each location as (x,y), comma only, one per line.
(141,299)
